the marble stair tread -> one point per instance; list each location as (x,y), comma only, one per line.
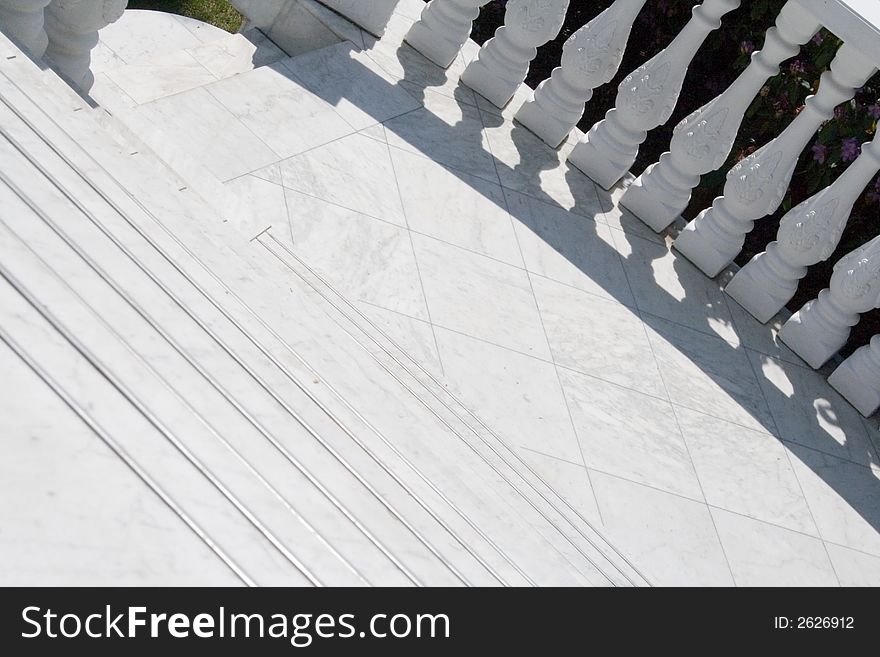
(190,227)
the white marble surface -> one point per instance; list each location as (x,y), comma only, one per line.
(161,76)
(484,298)
(616,370)
(645,447)
(336,173)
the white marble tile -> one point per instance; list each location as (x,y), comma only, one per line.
(204,32)
(669,538)
(481,297)
(415,71)
(271,173)
(161,76)
(761,554)
(200,126)
(747,472)
(854,568)
(759,337)
(413,336)
(455,207)
(528,165)
(568,247)
(298,31)
(358,89)
(278,110)
(235,55)
(667,285)
(376,132)
(844,498)
(518,396)
(809,412)
(364,258)
(570,481)
(616,216)
(139,34)
(258,204)
(644,445)
(706,373)
(337,172)
(77,509)
(596,336)
(445,131)
(336,23)
(103,58)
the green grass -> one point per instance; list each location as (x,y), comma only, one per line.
(216,12)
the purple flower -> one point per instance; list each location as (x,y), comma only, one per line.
(850,149)
(747,47)
(818,39)
(797,66)
(874,111)
(820,153)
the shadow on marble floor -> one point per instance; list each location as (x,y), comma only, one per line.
(711,356)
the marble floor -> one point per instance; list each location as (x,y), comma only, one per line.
(673,421)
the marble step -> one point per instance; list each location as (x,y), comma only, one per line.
(300,523)
(249,388)
(300,330)
(209,512)
(543,500)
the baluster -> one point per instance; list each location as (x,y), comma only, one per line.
(858,378)
(23,21)
(756,186)
(444,28)
(808,235)
(820,329)
(503,62)
(702,142)
(590,58)
(645,100)
(72,27)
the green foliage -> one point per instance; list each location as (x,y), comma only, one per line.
(216,12)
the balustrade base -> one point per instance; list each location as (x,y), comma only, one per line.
(693,246)
(805,339)
(489,84)
(596,164)
(758,295)
(644,204)
(432,45)
(552,129)
(858,383)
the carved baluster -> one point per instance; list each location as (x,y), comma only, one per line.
(818,330)
(72,27)
(809,234)
(444,28)
(503,62)
(23,21)
(858,378)
(590,59)
(702,142)
(756,186)
(645,100)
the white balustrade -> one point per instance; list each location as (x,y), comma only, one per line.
(590,58)
(858,378)
(72,27)
(503,62)
(821,328)
(702,142)
(808,235)
(23,21)
(443,29)
(756,186)
(645,100)
(371,15)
